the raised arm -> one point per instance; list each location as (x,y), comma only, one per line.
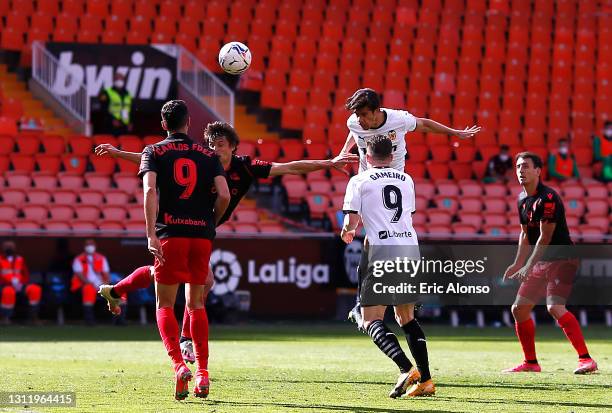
(431,126)
(304,167)
(349,144)
(106,149)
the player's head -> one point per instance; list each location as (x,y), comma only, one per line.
(364,103)
(222,138)
(528,168)
(90,246)
(175,116)
(379,151)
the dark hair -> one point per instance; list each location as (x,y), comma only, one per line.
(363,98)
(607,123)
(563,139)
(217,129)
(504,148)
(175,114)
(537,161)
(380,147)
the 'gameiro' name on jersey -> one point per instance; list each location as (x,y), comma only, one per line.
(385,200)
(395,126)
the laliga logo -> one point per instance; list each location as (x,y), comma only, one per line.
(227,271)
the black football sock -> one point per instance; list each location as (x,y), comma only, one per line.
(418,347)
(386,341)
(584,356)
(362,272)
(182,339)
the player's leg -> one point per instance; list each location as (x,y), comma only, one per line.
(560,282)
(8,298)
(34,293)
(142,277)
(199,256)
(168,330)
(355,314)
(168,275)
(524,327)
(186,342)
(404,315)
(386,341)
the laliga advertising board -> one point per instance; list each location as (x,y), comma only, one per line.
(292,278)
(149,71)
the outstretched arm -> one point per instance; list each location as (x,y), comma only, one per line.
(303,167)
(106,149)
(431,126)
(348,144)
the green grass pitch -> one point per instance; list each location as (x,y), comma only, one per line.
(303,368)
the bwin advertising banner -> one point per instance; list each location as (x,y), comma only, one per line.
(149,71)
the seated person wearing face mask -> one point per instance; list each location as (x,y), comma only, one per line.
(90,271)
(499,165)
(602,151)
(116,104)
(15,281)
(561,163)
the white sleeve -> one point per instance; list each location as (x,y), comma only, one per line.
(412,197)
(410,121)
(352,197)
(77,267)
(105,266)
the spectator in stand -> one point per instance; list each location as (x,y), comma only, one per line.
(116,104)
(14,280)
(90,270)
(602,151)
(561,162)
(499,166)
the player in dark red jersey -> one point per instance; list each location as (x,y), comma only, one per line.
(548,270)
(241,173)
(185,194)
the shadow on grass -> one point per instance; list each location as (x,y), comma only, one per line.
(275,331)
(525,402)
(319,407)
(510,386)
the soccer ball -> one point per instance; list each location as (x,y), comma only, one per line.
(234,58)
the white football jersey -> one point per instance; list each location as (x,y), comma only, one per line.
(397,124)
(385,200)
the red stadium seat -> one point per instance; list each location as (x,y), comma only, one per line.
(91,197)
(39,196)
(447,188)
(28,145)
(45,180)
(97,181)
(64,197)
(70,181)
(14,197)
(268,151)
(461,170)
(296,191)
(104,166)
(61,212)
(114,213)
(74,164)
(48,163)
(128,182)
(22,163)
(446,203)
(437,170)
(36,213)
(317,205)
(116,197)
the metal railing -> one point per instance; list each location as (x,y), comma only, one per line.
(205,86)
(60,84)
